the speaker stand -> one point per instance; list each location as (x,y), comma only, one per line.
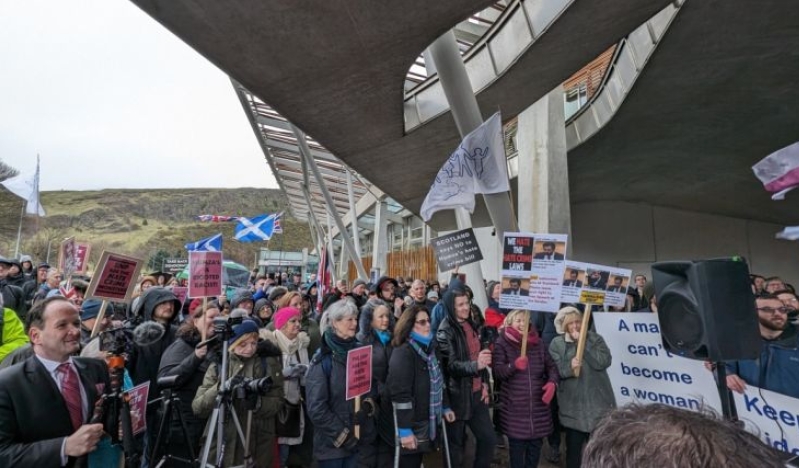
(727,408)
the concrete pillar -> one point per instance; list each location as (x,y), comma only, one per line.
(543,167)
(380,237)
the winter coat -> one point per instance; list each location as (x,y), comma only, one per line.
(329,410)
(523,414)
(143,361)
(179,360)
(456,364)
(12,333)
(408,381)
(262,435)
(775,368)
(13,298)
(583,401)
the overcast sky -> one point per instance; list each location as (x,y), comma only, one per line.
(110,99)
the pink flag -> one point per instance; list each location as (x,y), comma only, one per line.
(779,170)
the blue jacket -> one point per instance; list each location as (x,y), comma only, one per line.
(776,368)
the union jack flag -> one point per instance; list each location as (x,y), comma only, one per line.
(278,229)
(217,218)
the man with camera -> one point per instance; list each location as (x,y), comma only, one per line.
(464,365)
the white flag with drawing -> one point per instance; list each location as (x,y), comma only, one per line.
(27,188)
(478,165)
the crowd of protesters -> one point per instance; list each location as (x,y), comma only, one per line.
(443,370)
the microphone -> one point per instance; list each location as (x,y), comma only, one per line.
(207,342)
(148,333)
(236,314)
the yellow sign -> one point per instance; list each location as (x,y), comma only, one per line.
(592,297)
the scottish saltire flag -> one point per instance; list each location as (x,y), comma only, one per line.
(209,244)
(779,171)
(478,165)
(217,218)
(257,229)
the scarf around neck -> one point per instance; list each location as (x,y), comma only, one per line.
(436,384)
(515,336)
(339,346)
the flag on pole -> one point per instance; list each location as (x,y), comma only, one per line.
(27,188)
(779,171)
(257,229)
(789,233)
(278,227)
(324,275)
(209,244)
(478,165)
(217,218)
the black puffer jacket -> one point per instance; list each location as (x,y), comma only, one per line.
(456,364)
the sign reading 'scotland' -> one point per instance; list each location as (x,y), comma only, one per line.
(456,249)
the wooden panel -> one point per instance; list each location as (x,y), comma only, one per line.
(418,263)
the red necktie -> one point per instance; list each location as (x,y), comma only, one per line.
(71,393)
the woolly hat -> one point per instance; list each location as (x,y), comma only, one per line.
(277,293)
(240,331)
(194,305)
(151,279)
(260,304)
(90,309)
(358,282)
(283,315)
(432,294)
(26,258)
(564,317)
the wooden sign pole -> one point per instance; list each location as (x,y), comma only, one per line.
(99,320)
(583,336)
(525,333)
(357,408)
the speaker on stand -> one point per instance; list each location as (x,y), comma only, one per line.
(707,312)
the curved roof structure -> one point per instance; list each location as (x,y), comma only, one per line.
(337,70)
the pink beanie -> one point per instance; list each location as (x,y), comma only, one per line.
(284,315)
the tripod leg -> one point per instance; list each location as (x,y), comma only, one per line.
(242,438)
(209,438)
(166,412)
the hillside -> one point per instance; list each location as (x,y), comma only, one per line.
(147,224)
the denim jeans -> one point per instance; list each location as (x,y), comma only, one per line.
(346,462)
(524,453)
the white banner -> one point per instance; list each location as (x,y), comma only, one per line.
(644,372)
(771,416)
(606,284)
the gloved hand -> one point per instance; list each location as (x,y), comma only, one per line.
(295,371)
(367,411)
(521,363)
(549,392)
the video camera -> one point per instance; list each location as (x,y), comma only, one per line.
(223,326)
(488,335)
(242,387)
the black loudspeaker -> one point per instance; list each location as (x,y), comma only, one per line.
(707,309)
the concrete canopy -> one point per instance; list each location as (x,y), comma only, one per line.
(717,96)
(336,69)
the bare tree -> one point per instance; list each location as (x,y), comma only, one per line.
(6,171)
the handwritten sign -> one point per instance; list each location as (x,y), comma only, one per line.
(138,407)
(116,277)
(771,416)
(592,297)
(359,371)
(644,372)
(456,249)
(205,274)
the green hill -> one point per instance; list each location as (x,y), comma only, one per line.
(148,224)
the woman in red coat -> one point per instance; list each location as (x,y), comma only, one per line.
(528,386)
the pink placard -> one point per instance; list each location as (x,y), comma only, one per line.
(181,292)
(138,407)
(81,256)
(359,371)
(116,277)
(205,274)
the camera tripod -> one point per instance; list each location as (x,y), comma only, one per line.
(114,412)
(170,412)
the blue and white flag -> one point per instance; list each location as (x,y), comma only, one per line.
(478,165)
(257,229)
(209,244)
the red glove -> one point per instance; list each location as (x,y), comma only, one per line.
(549,392)
(520,363)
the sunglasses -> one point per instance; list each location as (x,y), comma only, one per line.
(422,322)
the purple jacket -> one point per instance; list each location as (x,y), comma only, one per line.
(523,414)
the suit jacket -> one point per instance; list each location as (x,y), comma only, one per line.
(577,283)
(522,291)
(542,255)
(617,288)
(34,419)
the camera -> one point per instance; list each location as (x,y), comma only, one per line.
(243,387)
(488,335)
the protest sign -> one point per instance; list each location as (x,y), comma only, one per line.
(174,266)
(643,371)
(138,407)
(456,249)
(181,292)
(359,371)
(771,416)
(205,274)
(589,283)
(532,268)
(115,277)
(66,256)
(81,257)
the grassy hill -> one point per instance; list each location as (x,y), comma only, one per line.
(147,224)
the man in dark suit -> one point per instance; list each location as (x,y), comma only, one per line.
(596,280)
(46,402)
(616,286)
(573,281)
(515,288)
(548,253)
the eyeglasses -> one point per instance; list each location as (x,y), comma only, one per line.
(772,310)
(422,322)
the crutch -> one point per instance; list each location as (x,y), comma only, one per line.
(446,441)
(397,441)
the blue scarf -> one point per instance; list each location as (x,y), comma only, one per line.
(436,380)
(383,335)
(425,340)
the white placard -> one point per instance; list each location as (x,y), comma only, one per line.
(771,416)
(532,268)
(605,283)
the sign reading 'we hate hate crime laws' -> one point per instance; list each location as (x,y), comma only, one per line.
(115,278)
(456,249)
(205,274)
(532,271)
